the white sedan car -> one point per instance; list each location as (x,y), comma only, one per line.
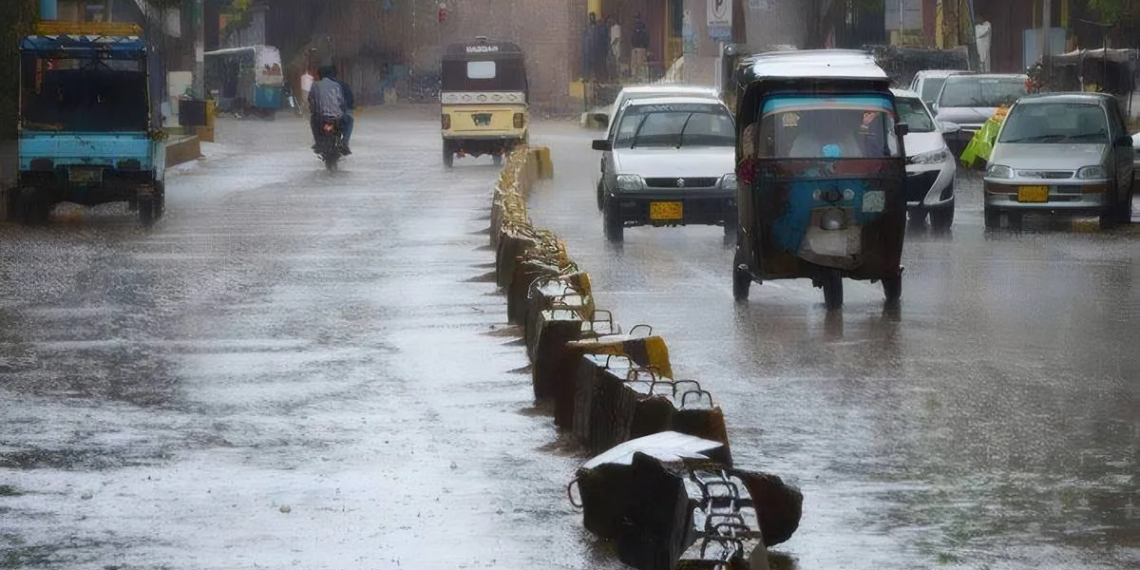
(931,167)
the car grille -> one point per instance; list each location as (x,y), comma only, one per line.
(918,184)
(1046,174)
(675,182)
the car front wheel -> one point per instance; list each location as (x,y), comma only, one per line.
(611,218)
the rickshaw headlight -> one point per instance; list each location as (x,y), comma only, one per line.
(630,182)
(999,171)
(1092,172)
(728,182)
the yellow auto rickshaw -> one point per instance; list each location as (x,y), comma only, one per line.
(484,94)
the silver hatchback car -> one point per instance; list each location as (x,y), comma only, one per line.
(1061,153)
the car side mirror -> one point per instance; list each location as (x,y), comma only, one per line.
(902,129)
(949,128)
(603,145)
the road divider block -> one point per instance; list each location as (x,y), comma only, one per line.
(663,485)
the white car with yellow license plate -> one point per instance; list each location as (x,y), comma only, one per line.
(1061,153)
(670,163)
(930,166)
(654,91)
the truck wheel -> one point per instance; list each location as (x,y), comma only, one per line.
(448,156)
(159,200)
(33,208)
(147,212)
(611,219)
(832,289)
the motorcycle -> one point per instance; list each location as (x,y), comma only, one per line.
(330,145)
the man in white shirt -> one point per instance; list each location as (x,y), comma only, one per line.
(306,86)
(984,33)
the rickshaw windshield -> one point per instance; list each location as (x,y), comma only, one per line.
(812,126)
(83,94)
(503,74)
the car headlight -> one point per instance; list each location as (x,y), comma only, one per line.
(728,182)
(933,157)
(999,171)
(630,182)
(1092,172)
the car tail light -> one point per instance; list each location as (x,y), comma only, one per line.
(446,121)
(520,120)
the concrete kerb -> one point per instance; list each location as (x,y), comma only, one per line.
(608,388)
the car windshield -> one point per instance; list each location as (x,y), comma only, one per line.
(930,88)
(981,92)
(914,114)
(682,125)
(839,127)
(1044,123)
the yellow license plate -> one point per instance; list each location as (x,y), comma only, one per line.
(666,210)
(1033,194)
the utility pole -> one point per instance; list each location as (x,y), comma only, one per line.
(197,23)
(972,38)
(1046,23)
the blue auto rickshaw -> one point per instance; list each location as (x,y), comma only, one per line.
(821,170)
(89,125)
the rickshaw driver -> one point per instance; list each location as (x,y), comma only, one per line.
(828,134)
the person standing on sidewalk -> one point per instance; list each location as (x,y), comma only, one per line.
(639,41)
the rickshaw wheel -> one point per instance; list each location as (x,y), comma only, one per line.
(448,156)
(832,289)
(741,283)
(892,288)
(147,212)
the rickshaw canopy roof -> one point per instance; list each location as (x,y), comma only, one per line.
(482,50)
(79,46)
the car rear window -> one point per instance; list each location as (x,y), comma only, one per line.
(981,92)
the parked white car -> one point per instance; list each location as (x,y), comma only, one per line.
(930,166)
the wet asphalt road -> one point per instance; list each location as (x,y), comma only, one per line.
(298,370)
(991,421)
(292,370)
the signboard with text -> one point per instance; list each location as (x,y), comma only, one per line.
(720,19)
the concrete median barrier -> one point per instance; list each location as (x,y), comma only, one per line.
(663,485)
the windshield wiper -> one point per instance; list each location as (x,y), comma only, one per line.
(681,139)
(1036,139)
(1094,136)
(637,132)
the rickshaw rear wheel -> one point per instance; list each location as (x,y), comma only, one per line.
(448,156)
(741,283)
(832,289)
(33,208)
(147,209)
(612,222)
(892,288)
(1125,212)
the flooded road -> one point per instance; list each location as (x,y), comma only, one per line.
(992,421)
(291,370)
(303,370)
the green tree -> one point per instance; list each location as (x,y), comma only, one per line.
(1117,12)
